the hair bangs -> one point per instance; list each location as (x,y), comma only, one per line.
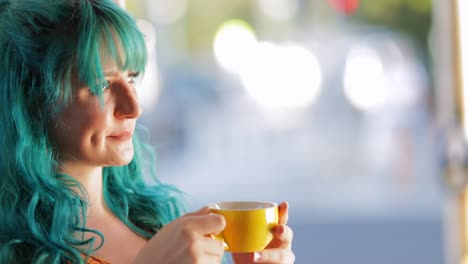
(108,36)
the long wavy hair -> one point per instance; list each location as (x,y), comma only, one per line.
(42,44)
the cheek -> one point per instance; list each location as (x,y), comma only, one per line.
(90,132)
(87,117)
(80,128)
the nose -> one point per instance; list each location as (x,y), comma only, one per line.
(126,105)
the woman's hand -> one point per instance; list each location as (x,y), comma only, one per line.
(186,240)
(279,250)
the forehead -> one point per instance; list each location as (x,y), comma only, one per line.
(109,64)
(112,55)
(112,48)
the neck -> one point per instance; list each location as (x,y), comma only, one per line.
(90,179)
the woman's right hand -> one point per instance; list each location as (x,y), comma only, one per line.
(186,240)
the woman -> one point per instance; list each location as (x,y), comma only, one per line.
(71,184)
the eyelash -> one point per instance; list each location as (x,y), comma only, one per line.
(131,78)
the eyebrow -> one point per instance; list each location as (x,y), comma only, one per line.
(112,73)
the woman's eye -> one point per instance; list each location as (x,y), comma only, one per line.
(133,77)
(106,86)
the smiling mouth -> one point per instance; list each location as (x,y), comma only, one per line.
(122,136)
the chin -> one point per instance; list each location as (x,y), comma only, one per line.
(121,160)
(122,156)
(124,161)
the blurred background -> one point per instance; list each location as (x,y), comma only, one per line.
(331,105)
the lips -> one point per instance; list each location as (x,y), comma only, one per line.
(123,136)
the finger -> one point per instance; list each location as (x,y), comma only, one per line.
(202,211)
(283,236)
(209,259)
(213,246)
(205,224)
(283,210)
(274,256)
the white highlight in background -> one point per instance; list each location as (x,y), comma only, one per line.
(149,89)
(121,3)
(280,10)
(365,83)
(149,32)
(282,77)
(166,12)
(233,44)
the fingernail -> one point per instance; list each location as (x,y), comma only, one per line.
(257,256)
(279,229)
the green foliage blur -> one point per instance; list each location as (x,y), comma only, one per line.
(203,17)
(410,17)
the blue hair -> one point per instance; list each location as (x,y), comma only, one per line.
(43,43)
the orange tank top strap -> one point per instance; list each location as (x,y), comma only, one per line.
(95,260)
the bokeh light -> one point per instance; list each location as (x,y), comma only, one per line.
(280,10)
(149,33)
(233,43)
(282,77)
(364,81)
(148,88)
(347,7)
(167,12)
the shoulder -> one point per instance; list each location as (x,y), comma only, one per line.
(96,260)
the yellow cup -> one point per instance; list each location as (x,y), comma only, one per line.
(249,225)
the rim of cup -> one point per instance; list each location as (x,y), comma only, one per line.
(241,205)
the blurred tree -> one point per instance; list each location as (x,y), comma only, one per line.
(410,17)
(205,16)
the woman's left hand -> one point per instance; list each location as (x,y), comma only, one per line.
(279,250)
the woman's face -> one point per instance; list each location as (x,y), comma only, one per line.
(87,133)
